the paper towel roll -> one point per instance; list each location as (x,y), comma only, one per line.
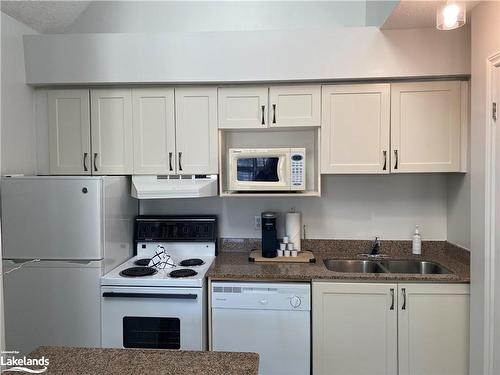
(293,227)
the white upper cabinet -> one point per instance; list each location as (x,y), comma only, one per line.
(426,126)
(355,131)
(196,130)
(242,107)
(257,107)
(69,132)
(295,106)
(111,119)
(433,329)
(154,130)
(353,319)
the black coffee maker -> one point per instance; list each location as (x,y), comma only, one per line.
(269,234)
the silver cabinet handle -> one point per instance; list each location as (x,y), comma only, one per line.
(85,156)
(95,161)
(180,160)
(274,113)
(397,157)
(385,161)
(392,299)
(263,110)
(170,161)
(403,290)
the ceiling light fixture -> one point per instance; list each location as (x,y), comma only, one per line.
(451,15)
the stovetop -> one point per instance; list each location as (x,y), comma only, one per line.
(178,253)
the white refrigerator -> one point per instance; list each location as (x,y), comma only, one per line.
(65,232)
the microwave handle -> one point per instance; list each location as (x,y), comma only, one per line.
(149,295)
(263,122)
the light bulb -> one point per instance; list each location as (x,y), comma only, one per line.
(450,16)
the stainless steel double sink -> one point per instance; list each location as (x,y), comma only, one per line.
(385,266)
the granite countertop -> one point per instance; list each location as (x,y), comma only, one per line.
(233,264)
(138,361)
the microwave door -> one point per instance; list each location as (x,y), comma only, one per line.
(259,172)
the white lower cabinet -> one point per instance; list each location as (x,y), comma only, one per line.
(354,328)
(378,328)
(433,329)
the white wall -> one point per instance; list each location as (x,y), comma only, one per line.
(17,121)
(162,16)
(352,207)
(242,56)
(2,325)
(458,209)
(17,137)
(485,40)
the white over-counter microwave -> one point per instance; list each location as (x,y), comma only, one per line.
(267,169)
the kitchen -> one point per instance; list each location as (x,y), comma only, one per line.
(265,164)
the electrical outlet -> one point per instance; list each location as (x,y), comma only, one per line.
(257,223)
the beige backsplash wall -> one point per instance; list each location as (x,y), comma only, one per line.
(351,207)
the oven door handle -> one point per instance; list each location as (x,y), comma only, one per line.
(149,295)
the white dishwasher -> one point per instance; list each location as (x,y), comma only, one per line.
(272,319)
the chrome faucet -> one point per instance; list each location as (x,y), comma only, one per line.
(375,247)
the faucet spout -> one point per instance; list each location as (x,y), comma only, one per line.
(375,247)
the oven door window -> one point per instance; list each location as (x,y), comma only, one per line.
(257,169)
(151,333)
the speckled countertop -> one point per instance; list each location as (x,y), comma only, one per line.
(95,361)
(233,264)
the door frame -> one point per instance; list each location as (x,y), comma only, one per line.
(490,273)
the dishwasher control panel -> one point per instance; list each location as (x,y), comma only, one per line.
(263,296)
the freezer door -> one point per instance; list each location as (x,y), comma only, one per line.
(52,303)
(52,218)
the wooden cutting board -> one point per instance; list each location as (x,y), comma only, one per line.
(302,257)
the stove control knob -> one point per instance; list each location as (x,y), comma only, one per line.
(295,301)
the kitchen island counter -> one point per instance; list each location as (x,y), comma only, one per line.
(94,361)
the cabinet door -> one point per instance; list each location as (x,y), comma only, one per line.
(242,107)
(354,328)
(355,129)
(425,127)
(196,130)
(295,105)
(433,329)
(112,146)
(154,131)
(69,132)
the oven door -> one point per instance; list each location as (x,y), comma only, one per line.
(153,318)
(259,170)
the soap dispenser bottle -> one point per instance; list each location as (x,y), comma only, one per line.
(417,242)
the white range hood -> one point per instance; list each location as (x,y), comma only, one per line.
(164,187)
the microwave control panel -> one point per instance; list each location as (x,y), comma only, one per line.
(298,169)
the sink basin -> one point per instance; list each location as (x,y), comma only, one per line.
(353,266)
(414,266)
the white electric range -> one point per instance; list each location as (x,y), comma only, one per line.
(145,307)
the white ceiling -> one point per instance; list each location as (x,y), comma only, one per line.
(415,14)
(45,16)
